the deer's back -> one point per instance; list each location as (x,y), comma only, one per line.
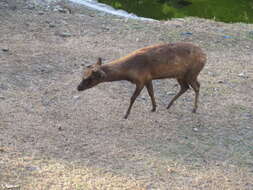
(166,60)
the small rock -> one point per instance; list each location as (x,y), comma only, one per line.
(60,128)
(212,74)
(56,8)
(248,116)
(12,5)
(40,13)
(30,7)
(143,97)
(61,10)
(170,93)
(195,129)
(31,168)
(227,37)
(52,25)
(9,186)
(220,30)
(64,34)
(242,75)
(149,187)
(76,97)
(186,33)
(220,81)
(171,170)
(2,149)
(105,29)
(251,33)
(3,87)
(5,49)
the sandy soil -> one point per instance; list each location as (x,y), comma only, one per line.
(52,137)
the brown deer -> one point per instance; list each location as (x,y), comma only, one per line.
(182,61)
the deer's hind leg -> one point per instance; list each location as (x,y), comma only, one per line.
(196,86)
(183,88)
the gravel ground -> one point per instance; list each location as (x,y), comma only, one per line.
(52,137)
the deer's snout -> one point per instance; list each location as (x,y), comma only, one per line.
(79,88)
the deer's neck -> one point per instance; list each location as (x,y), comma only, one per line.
(114,72)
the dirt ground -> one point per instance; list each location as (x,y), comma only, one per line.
(53,137)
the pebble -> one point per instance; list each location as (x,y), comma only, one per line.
(170,93)
(149,187)
(5,49)
(41,13)
(227,37)
(9,186)
(186,33)
(64,34)
(143,97)
(76,97)
(2,149)
(195,129)
(52,25)
(3,87)
(31,168)
(61,10)
(30,7)
(242,75)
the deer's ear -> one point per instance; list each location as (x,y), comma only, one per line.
(99,61)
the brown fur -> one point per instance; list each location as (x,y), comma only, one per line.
(182,61)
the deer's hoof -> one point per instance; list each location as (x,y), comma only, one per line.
(153,110)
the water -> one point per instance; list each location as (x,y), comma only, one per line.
(108,9)
(220,10)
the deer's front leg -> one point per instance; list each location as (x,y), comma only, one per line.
(136,93)
(149,87)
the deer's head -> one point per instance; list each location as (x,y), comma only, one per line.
(92,76)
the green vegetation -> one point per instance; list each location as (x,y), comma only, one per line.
(221,10)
